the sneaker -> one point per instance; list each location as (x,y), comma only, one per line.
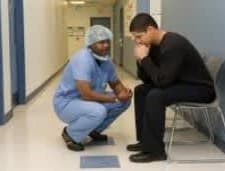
(75,146)
(70,143)
(96,136)
(134,147)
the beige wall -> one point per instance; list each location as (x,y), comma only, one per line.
(78,16)
(129,13)
(45,40)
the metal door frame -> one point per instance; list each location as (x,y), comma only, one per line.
(1,72)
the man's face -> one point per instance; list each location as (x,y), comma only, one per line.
(143,38)
(101,47)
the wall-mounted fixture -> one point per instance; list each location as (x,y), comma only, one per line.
(77,2)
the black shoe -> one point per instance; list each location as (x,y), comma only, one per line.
(96,136)
(70,143)
(65,135)
(143,157)
(134,147)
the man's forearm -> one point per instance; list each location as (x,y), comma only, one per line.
(117,87)
(100,97)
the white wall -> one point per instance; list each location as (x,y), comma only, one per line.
(156,10)
(80,16)
(45,40)
(6,56)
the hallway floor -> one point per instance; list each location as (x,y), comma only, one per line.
(31,141)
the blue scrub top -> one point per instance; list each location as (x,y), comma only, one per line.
(83,66)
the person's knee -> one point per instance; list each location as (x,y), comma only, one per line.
(155,95)
(99,112)
(139,89)
(125,105)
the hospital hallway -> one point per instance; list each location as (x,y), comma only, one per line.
(32,141)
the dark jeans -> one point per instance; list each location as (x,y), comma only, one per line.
(150,106)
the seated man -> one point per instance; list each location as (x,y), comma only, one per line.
(172,71)
(81,99)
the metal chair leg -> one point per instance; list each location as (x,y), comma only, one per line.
(222,116)
(192,118)
(209,125)
(169,147)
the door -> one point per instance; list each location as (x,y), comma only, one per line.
(17,62)
(13,62)
(104,21)
(121,40)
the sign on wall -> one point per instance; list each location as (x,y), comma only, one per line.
(76,31)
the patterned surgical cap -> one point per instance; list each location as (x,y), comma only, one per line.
(97,33)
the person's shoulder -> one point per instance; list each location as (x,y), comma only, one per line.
(81,55)
(175,36)
(173,40)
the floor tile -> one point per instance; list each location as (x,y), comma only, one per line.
(99,162)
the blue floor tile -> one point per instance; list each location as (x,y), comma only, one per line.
(99,162)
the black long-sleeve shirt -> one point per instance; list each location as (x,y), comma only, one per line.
(175,59)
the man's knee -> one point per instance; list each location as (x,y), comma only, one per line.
(125,105)
(120,108)
(99,112)
(155,95)
(140,89)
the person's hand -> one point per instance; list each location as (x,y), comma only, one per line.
(130,93)
(125,95)
(141,51)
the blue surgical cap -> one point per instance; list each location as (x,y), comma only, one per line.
(97,33)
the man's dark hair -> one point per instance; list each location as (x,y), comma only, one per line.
(141,22)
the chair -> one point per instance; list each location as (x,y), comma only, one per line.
(216,67)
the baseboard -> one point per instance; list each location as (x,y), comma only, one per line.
(37,90)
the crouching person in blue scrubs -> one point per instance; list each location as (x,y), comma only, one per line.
(81,99)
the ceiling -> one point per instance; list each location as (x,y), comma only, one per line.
(98,2)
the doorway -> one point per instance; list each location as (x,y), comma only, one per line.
(104,21)
(121,38)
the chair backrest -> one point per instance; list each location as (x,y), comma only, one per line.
(220,85)
(213,65)
(216,67)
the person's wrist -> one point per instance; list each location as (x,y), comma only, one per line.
(142,59)
(139,60)
(115,99)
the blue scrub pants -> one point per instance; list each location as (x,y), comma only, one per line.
(83,117)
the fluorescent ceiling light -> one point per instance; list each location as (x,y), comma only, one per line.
(77,2)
